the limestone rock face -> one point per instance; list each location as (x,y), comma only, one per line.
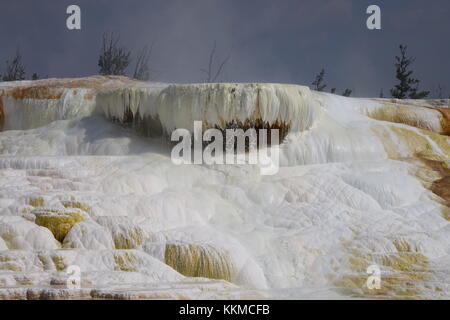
(41,238)
(89,195)
(3,245)
(88,235)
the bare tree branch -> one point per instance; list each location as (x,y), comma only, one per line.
(113,59)
(212,76)
(219,71)
(142,70)
(14,69)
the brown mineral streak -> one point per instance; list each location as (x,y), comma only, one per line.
(53,89)
(440,187)
(400,106)
(35,92)
(445,121)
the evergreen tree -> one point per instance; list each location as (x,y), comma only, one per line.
(408,87)
(318,82)
(319,85)
(439,91)
(347,92)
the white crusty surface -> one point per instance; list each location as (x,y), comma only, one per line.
(354,189)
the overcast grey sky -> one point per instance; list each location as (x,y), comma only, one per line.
(285,41)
